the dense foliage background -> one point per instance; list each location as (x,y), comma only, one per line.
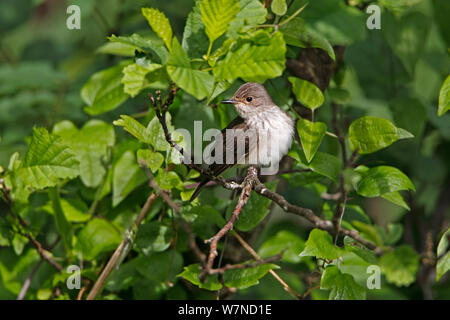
(371,143)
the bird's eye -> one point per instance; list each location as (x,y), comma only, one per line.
(249,99)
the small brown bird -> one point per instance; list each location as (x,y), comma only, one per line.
(260,136)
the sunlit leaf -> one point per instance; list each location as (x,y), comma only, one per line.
(160,24)
(311,135)
(307,93)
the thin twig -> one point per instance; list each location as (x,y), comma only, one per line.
(118,253)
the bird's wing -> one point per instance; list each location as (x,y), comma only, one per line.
(228,146)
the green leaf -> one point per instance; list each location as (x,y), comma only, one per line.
(75,210)
(254,211)
(252,13)
(62,225)
(143,44)
(342,286)
(191,273)
(370,134)
(381,180)
(443,243)
(135,77)
(406,36)
(298,34)
(307,93)
(400,265)
(396,198)
(103,91)
(135,128)
(195,40)
(153,237)
(283,240)
(253,62)
(160,266)
(195,82)
(369,232)
(90,144)
(324,164)
(444,97)
(279,7)
(46,162)
(217,15)
(244,278)
(168,180)
(127,176)
(320,245)
(159,24)
(151,159)
(311,135)
(96,237)
(442,266)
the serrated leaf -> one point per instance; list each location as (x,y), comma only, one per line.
(90,144)
(342,286)
(252,12)
(244,278)
(195,40)
(195,82)
(127,176)
(143,44)
(168,180)
(307,93)
(103,91)
(156,134)
(400,265)
(217,15)
(191,273)
(381,180)
(151,159)
(153,237)
(47,161)
(320,245)
(279,7)
(311,135)
(159,24)
(96,237)
(370,134)
(135,128)
(444,97)
(134,77)
(253,62)
(283,240)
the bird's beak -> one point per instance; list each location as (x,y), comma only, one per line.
(229,101)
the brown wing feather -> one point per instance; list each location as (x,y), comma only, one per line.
(216,168)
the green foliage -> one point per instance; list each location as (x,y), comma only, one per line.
(311,135)
(444,97)
(342,286)
(307,93)
(400,266)
(370,134)
(320,245)
(79,141)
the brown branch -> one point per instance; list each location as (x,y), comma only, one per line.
(118,253)
(246,265)
(39,248)
(252,176)
(27,282)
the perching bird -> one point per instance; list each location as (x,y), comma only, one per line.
(260,136)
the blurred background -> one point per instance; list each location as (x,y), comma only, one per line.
(43,66)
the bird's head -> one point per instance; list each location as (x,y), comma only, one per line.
(250,98)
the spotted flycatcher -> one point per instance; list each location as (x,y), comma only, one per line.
(260,136)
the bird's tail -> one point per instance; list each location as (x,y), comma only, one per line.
(198,189)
